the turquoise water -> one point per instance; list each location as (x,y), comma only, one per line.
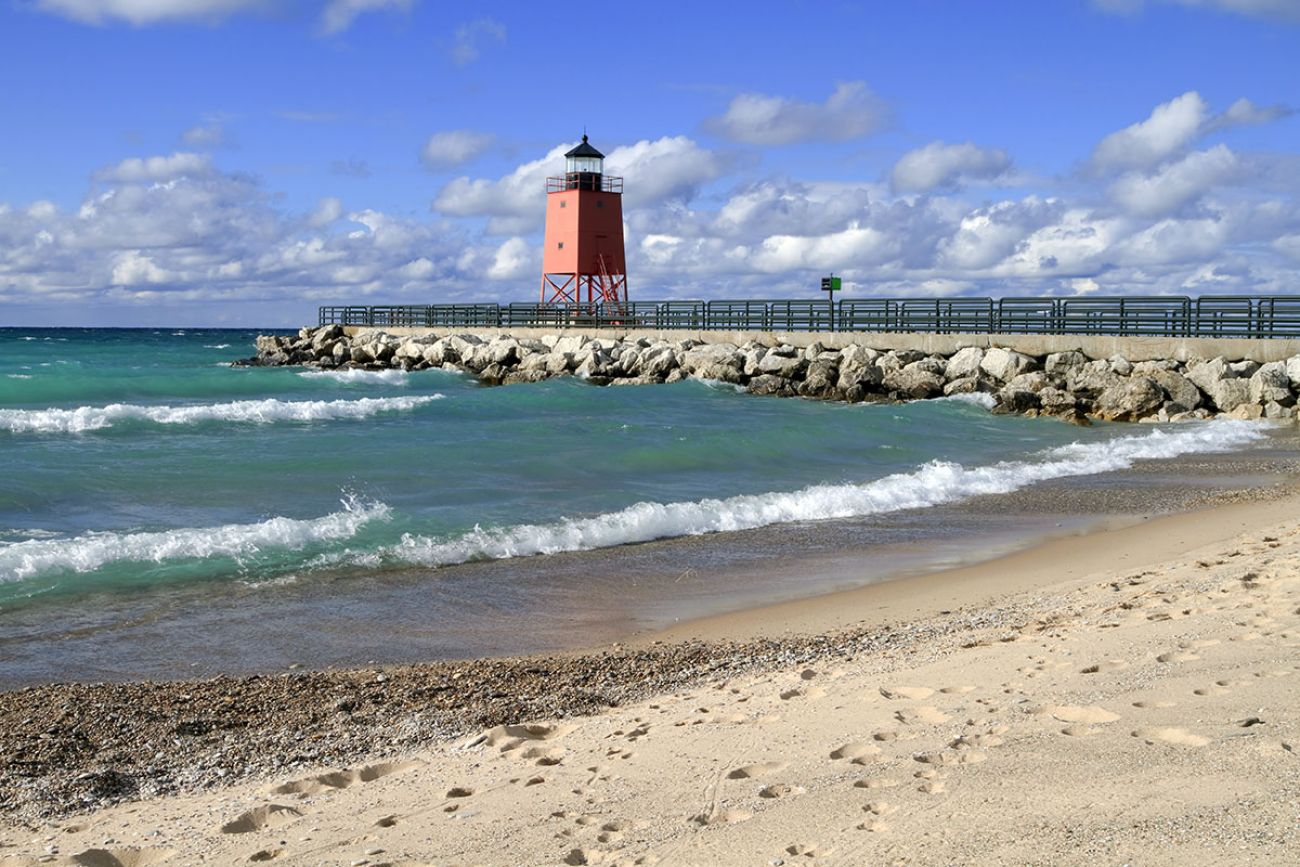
(139,463)
(138,458)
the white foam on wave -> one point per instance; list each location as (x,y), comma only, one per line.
(86,553)
(88,418)
(933,484)
(975,398)
(349,375)
(18,375)
(216,346)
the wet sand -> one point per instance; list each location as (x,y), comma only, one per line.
(1127,696)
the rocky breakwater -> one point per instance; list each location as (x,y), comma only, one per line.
(1068,385)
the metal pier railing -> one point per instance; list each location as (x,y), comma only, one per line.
(1253,316)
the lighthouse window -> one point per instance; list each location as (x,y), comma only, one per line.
(599,203)
(562,204)
(559,246)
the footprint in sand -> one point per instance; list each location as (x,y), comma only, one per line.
(879,808)
(875,826)
(1154,705)
(124,857)
(758,769)
(911,693)
(270,816)
(924,715)
(1089,714)
(931,787)
(1177,656)
(780,790)
(957,690)
(892,735)
(459,792)
(343,779)
(943,758)
(1107,665)
(262,855)
(722,817)
(544,756)
(511,737)
(876,783)
(808,850)
(857,752)
(972,741)
(813,692)
(1176,736)
(1080,731)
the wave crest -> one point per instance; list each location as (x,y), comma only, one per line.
(92,551)
(88,418)
(933,484)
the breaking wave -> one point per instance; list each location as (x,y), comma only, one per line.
(89,418)
(386,377)
(933,484)
(91,551)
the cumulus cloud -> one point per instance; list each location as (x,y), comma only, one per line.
(158,168)
(469,39)
(655,171)
(1176,184)
(453,147)
(338,15)
(946,166)
(1171,127)
(851,111)
(144,12)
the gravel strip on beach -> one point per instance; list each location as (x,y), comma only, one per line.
(68,748)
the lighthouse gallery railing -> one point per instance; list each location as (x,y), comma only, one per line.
(1269,316)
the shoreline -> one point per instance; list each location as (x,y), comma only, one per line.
(1071,558)
(60,761)
(1143,713)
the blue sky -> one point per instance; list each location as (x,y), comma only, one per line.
(197,162)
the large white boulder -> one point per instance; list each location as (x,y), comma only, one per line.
(1005,365)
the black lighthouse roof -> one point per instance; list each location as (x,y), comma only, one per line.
(585,150)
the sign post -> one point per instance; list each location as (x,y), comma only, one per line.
(831,285)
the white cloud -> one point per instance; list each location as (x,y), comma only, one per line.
(144,12)
(159,168)
(1175,184)
(514,260)
(133,269)
(1171,127)
(206,135)
(654,171)
(850,112)
(327,211)
(1243,112)
(338,15)
(454,147)
(467,45)
(945,166)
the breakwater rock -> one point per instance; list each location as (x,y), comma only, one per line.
(1068,385)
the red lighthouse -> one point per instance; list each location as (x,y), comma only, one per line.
(583,262)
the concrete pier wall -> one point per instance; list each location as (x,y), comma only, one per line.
(1096,347)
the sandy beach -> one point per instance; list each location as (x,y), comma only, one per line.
(1128,696)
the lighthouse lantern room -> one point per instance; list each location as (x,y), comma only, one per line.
(583,262)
